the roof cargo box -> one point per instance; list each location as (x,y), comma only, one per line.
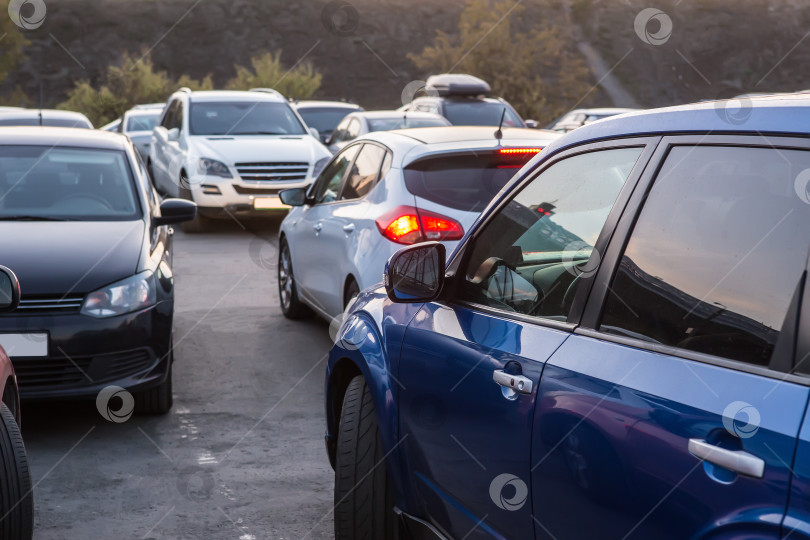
(450,84)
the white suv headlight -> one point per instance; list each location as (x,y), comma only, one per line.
(212,167)
(128,295)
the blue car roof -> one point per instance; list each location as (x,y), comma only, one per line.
(787,114)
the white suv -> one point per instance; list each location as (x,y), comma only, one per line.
(232,152)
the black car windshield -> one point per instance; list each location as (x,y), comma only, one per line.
(475,112)
(403,122)
(142,122)
(54,182)
(244,118)
(324,119)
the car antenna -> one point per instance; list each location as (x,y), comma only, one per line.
(404,119)
(40,103)
(499,133)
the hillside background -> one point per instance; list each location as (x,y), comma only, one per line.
(718,48)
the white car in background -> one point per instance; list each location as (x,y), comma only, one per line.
(138,124)
(383,191)
(358,124)
(231,152)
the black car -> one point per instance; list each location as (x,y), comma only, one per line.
(88,238)
(325,115)
(465,101)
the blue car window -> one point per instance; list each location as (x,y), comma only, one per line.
(716,253)
(529,257)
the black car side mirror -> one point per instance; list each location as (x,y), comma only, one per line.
(9,290)
(416,273)
(175,211)
(294,196)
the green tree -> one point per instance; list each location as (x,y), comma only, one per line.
(133,82)
(301,81)
(536,68)
(11,54)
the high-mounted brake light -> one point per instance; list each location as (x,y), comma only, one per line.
(407,225)
(513,151)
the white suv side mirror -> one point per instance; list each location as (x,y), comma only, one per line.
(173,135)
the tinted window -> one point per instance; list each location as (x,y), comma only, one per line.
(71,183)
(403,122)
(243,118)
(716,253)
(529,257)
(168,117)
(462,182)
(364,172)
(142,122)
(329,181)
(324,119)
(479,113)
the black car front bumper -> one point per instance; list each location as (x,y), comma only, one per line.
(87,354)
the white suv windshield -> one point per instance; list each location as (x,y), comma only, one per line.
(243,118)
(59,183)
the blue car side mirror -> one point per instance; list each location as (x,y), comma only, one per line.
(416,273)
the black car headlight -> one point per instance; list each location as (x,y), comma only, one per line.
(319,165)
(128,295)
(212,167)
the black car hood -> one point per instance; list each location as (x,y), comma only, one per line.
(70,257)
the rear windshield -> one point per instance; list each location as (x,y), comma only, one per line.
(243,118)
(142,122)
(55,182)
(403,122)
(467,182)
(479,113)
(324,119)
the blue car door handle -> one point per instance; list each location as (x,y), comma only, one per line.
(518,383)
(348,229)
(738,461)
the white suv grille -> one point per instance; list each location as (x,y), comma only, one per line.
(273,172)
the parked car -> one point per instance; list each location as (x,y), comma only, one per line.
(579,117)
(621,335)
(357,124)
(44,117)
(465,101)
(85,232)
(16,493)
(232,152)
(325,115)
(138,124)
(381,192)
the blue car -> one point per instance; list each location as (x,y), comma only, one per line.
(618,348)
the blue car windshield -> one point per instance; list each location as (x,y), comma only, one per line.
(42,183)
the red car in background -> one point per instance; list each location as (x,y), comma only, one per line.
(16,493)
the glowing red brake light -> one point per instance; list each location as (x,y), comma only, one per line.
(407,225)
(518,151)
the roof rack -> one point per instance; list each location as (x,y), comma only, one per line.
(269,91)
(452,84)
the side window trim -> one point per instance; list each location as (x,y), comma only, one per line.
(594,303)
(649,145)
(348,171)
(345,173)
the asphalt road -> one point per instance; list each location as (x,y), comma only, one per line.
(240,456)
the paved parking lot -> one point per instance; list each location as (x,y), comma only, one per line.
(241,454)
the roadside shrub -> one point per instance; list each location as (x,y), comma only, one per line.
(300,81)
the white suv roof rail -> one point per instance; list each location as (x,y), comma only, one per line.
(269,91)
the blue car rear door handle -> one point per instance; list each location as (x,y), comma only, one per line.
(518,383)
(738,461)
(348,229)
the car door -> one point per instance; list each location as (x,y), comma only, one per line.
(673,413)
(349,224)
(315,271)
(160,142)
(471,361)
